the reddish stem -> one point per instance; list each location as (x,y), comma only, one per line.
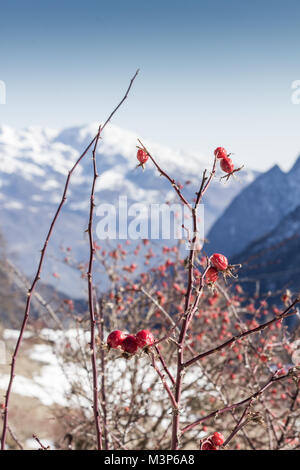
(163,173)
(39,270)
(270,382)
(162,378)
(189,311)
(242,335)
(91,302)
(163,363)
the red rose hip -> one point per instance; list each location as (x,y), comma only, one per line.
(130,344)
(115,339)
(144,338)
(219,261)
(142,156)
(226,165)
(220,152)
(217,439)
(211,275)
(208,446)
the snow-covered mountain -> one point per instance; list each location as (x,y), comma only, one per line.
(274,260)
(256,210)
(34,163)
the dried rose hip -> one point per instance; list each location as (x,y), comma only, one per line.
(219,261)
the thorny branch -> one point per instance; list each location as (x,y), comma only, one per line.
(252,397)
(283,315)
(40,265)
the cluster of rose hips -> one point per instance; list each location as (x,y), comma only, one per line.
(225,161)
(219,263)
(130,343)
(212,442)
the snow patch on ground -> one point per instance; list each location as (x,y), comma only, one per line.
(54,382)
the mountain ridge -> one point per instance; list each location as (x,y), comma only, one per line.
(35,163)
(256,210)
(274,259)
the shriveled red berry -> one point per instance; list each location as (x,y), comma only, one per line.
(115,338)
(219,261)
(220,152)
(144,338)
(227,165)
(142,156)
(208,446)
(130,344)
(211,275)
(217,439)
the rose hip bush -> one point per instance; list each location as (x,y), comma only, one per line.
(146,304)
(179,356)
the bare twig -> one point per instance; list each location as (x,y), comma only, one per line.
(91,301)
(268,384)
(42,447)
(39,269)
(162,377)
(261,327)
(240,424)
(189,312)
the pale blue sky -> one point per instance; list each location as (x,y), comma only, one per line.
(212,73)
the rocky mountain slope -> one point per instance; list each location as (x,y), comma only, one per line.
(256,210)
(274,260)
